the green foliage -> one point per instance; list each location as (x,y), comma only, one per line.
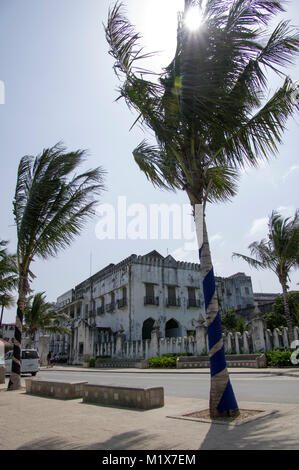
(231,323)
(279,253)
(240,325)
(162,362)
(92,361)
(229,320)
(293,299)
(8,275)
(207,109)
(52,203)
(40,315)
(279,358)
(277,319)
(166,361)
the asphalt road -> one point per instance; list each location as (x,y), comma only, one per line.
(247,387)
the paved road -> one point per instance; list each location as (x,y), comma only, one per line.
(251,387)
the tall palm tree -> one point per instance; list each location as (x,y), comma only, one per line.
(8,277)
(40,315)
(51,205)
(209,114)
(279,253)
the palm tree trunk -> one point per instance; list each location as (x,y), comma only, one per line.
(287,312)
(15,375)
(222,398)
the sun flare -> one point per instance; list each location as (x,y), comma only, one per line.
(193,18)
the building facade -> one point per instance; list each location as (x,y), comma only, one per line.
(7,332)
(235,292)
(134,294)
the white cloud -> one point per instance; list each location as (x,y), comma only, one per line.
(180,254)
(290,171)
(259,228)
(286,211)
(216,238)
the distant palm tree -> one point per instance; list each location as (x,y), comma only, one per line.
(8,277)
(209,114)
(40,315)
(51,205)
(279,253)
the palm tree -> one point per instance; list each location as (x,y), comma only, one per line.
(51,205)
(8,277)
(209,115)
(40,315)
(280,254)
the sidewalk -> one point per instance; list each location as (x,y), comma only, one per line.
(53,424)
(291,372)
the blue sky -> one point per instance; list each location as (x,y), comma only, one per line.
(60,86)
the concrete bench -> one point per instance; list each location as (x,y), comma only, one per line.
(2,374)
(232,360)
(119,363)
(54,388)
(128,397)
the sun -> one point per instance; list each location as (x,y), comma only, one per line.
(193,18)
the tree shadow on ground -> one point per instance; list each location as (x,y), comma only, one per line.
(261,434)
(124,441)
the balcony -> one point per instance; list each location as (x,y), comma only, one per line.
(193,303)
(151,300)
(110,307)
(101,310)
(173,302)
(121,303)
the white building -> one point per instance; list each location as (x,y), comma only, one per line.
(235,292)
(131,296)
(7,332)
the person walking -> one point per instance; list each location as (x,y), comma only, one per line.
(49,359)
(52,359)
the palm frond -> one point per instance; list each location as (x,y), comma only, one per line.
(55,204)
(254,263)
(124,42)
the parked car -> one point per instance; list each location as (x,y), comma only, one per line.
(29,361)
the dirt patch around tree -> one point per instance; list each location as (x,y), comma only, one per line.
(244,416)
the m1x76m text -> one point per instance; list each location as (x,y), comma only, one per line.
(171,459)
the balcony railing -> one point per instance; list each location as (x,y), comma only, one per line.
(151,300)
(173,302)
(121,303)
(193,303)
(101,310)
(110,307)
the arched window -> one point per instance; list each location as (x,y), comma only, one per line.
(172,329)
(147,328)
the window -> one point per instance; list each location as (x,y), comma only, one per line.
(28,354)
(124,291)
(172,301)
(246,290)
(150,298)
(171,293)
(149,290)
(191,293)
(192,301)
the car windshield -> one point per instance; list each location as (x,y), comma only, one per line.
(29,354)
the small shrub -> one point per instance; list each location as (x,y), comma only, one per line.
(279,358)
(166,361)
(91,362)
